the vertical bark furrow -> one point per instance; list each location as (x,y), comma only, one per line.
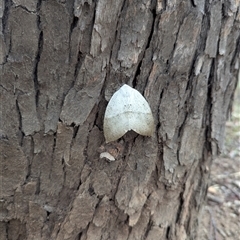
(20,63)
(38,55)
(4,36)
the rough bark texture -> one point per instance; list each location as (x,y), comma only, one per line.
(60,63)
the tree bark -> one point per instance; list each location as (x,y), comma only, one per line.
(61,61)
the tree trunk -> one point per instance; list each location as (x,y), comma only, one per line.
(61,61)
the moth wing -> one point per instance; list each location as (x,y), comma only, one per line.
(116,124)
(127,110)
(141,118)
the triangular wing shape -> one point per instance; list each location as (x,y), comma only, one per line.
(127,110)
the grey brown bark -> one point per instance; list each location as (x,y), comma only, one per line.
(61,61)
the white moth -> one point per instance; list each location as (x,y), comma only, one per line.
(127,110)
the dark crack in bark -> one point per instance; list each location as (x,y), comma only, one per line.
(38,55)
(21,133)
(7,4)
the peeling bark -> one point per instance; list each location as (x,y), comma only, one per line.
(60,63)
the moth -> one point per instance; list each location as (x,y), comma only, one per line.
(127,110)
